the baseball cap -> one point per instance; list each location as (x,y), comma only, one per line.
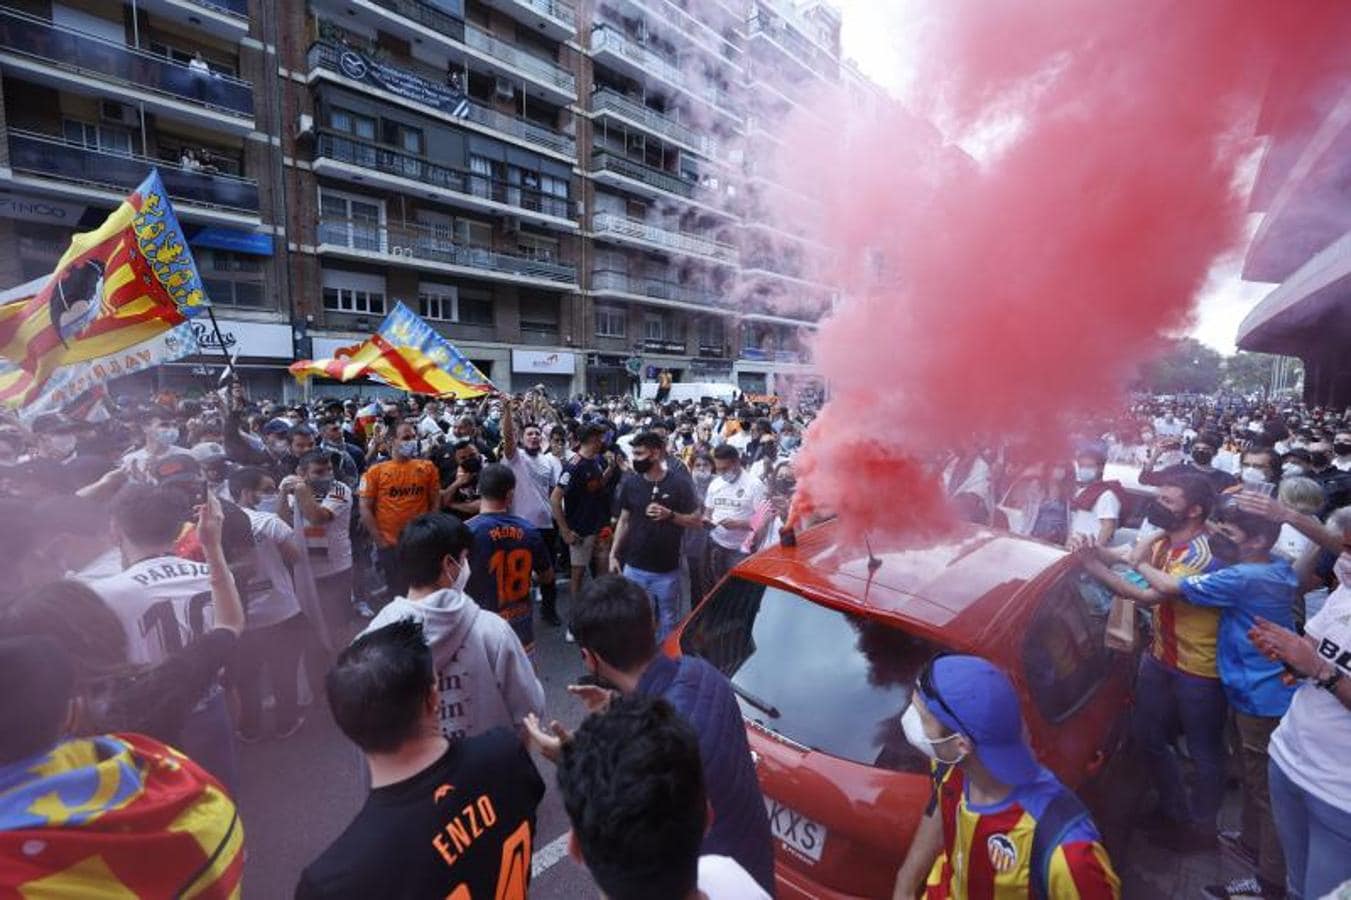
(175,468)
(207,452)
(972,696)
(277,426)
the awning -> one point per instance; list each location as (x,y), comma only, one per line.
(236,240)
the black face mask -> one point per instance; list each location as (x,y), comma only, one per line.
(1223,548)
(472,464)
(1161,516)
(1202,457)
(643,466)
(1341,449)
(1319,459)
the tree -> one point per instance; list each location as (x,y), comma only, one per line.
(1186,367)
(1251,373)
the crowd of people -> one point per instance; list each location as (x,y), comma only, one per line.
(189,574)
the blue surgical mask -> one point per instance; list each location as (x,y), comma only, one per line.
(268,503)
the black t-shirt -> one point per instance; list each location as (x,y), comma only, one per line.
(156,702)
(651,545)
(466,821)
(586,502)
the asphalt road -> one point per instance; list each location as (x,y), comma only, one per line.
(297,795)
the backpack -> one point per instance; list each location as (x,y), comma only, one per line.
(1063,813)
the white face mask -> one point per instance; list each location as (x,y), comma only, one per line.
(1291,469)
(268,503)
(1085,474)
(913,726)
(63,444)
(1251,475)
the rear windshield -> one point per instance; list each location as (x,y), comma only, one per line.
(827,680)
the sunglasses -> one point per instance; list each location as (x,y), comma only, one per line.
(930,691)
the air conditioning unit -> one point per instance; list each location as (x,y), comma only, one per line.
(304,125)
(505,89)
(120,113)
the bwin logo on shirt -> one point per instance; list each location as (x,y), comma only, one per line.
(1003,852)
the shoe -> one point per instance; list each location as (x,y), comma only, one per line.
(1231,842)
(567,636)
(286,730)
(550,616)
(1242,889)
(248,737)
(364,610)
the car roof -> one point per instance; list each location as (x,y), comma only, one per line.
(955,582)
(1128,477)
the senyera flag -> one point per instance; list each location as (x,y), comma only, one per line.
(118,302)
(406,353)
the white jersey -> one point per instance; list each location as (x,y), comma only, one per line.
(733,500)
(722,878)
(330,543)
(536,478)
(136,463)
(164,603)
(271,595)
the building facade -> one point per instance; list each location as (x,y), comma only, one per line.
(568,192)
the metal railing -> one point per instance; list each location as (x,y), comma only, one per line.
(607,100)
(431,17)
(326,56)
(554,9)
(503,52)
(611,223)
(46,156)
(655,178)
(77,51)
(370,155)
(425,242)
(659,289)
(233,7)
(606,37)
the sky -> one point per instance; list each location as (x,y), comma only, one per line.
(875,37)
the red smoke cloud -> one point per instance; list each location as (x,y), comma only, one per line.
(1004,297)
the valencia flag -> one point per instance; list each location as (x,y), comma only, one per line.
(406,353)
(127,282)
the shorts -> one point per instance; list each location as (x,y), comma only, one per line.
(581,552)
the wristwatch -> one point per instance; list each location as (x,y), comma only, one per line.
(1329,684)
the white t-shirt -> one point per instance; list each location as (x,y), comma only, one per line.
(1088,521)
(164,603)
(1290,543)
(428,429)
(1310,744)
(722,878)
(733,500)
(536,478)
(271,598)
(137,463)
(330,543)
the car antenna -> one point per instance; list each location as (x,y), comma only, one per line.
(873,562)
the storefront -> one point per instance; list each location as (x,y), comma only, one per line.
(260,352)
(555,369)
(610,375)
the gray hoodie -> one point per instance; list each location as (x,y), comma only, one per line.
(484,676)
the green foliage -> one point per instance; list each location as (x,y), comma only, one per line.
(1187,366)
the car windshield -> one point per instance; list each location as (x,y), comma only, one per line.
(827,680)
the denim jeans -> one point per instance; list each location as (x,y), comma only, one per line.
(664,589)
(1169,703)
(1315,835)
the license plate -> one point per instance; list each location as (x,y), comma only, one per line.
(795,831)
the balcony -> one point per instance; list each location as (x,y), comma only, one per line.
(541,70)
(607,281)
(339,154)
(416,91)
(756,354)
(603,161)
(431,17)
(554,18)
(686,26)
(669,346)
(225,19)
(625,230)
(791,45)
(611,46)
(605,102)
(431,249)
(89,64)
(80,168)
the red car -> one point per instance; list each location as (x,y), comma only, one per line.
(823,646)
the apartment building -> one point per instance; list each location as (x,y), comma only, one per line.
(567,192)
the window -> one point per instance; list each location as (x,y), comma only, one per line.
(710,332)
(437,301)
(473,233)
(351,221)
(536,247)
(353,123)
(609,322)
(97,137)
(1065,655)
(554,187)
(539,313)
(849,707)
(475,307)
(406,138)
(354,292)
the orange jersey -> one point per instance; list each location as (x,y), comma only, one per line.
(987,853)
(1185,635)
(399,493)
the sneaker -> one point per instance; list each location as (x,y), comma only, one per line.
(1240,889)
(1232,843)
(364,610)
(567,636)
(286,730)
(550,616)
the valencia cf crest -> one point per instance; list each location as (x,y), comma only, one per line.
(1003,853)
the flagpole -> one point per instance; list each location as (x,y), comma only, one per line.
(220,340)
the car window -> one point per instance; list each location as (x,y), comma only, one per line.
(1065,654)
(831,681)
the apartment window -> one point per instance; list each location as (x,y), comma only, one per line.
(473,233)
(354,292)
(231,279)
(97,137)
(481,165)
(654,328)
(710,332)
(475,307)
(396,134)
(352,123)
(183,57)
(437,301)
(609,322)
(351,221)
(539,313)
(533,246)
(554,187)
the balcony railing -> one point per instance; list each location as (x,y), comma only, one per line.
(656,288)
(31,153)
(429,16)
(605,37)
(554,9)
(513,56)
(233,7)
(369,155)
(679,242)
(655,178)
(78,52)
(423,242)
(756,354)
(606,100)
(327,56)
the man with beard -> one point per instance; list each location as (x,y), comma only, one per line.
(537,475)
(1203,450)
